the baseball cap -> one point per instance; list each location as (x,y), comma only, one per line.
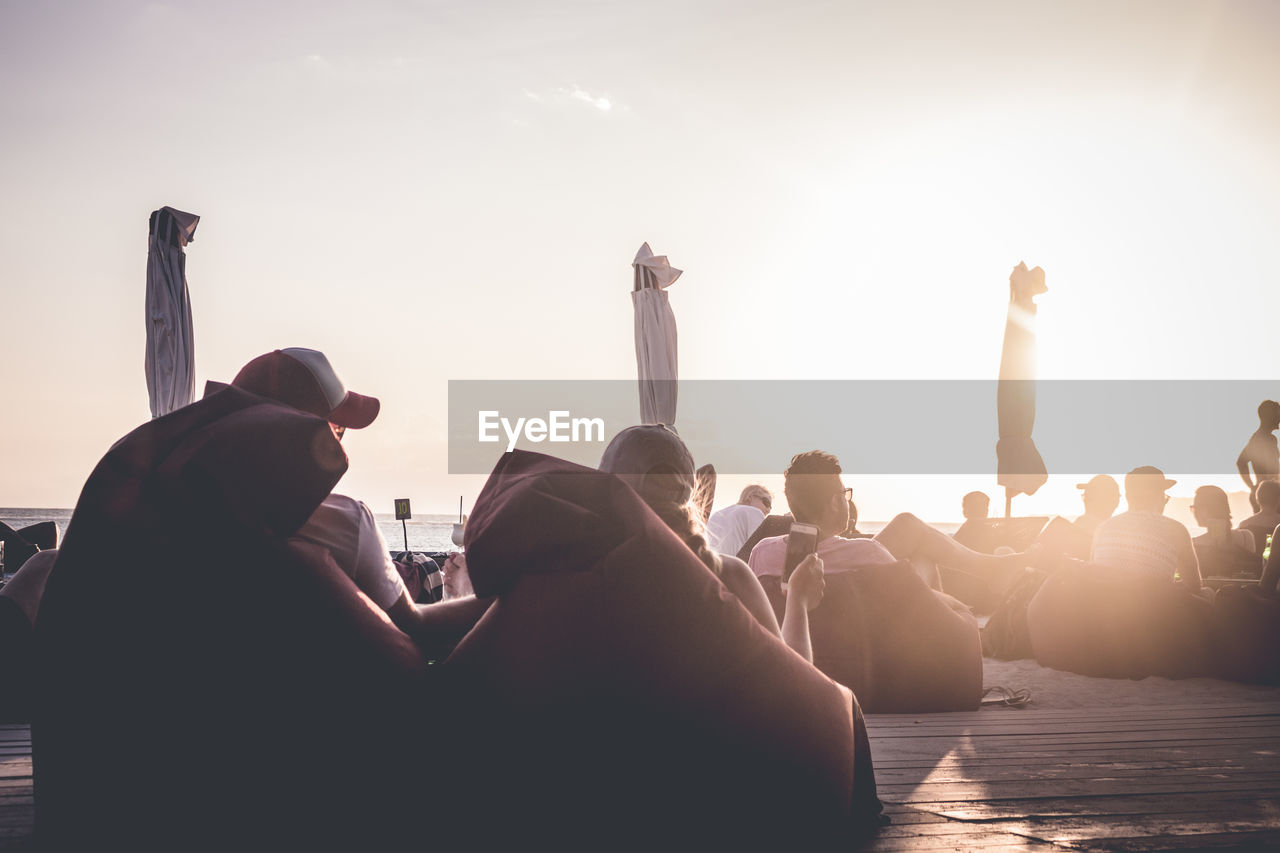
(652,460)
(1100,483)
(304,379)
(1146,478)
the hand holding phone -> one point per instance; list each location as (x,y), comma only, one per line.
(801,542)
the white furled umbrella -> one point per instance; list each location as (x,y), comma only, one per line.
(655,336)
(171,353)
(1019,467)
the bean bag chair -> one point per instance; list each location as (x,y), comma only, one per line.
(19,606)
(1246,635)
(617,694)
(200,685)
(901,647)
(1101,622)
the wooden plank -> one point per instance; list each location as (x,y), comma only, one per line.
(937,794)
(1269,721)
(976,840)
(1074,830)
(1224,802)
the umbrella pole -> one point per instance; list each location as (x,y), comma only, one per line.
(1008,502)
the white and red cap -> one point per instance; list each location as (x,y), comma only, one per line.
(304,379)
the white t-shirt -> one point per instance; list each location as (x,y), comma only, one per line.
(345,527)
(730,528)
(838,554)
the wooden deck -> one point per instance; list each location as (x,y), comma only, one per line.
(1135,778)
(1176,777)
(15,787)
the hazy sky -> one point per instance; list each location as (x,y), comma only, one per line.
(440,190)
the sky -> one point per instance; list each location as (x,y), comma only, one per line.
(433,191)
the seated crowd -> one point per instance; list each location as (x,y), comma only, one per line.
(603,604)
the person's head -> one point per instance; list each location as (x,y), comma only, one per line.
(1209,505)
(757,496)
(1268,495)
(304,379)
(975,506)
(1101,496)
(1269,414)
(654,462)
(815,492)
(1145,487)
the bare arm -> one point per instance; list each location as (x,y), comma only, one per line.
(1189,565)
(742,582)
(1242,465)
(437,628)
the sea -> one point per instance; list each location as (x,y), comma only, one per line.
(429,533)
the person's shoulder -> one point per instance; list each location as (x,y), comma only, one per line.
(732,567)
(765,552)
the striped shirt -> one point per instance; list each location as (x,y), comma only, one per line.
(1139,541)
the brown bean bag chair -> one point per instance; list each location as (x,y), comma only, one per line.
(200,686)
(617,693)
(1246,635)
(19,605)
(901,647)
(1100,622)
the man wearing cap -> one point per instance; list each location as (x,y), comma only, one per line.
(1142,539)
(1101,496)
(304,379)
(1262,451)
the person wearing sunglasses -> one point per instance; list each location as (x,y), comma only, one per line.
(729,528)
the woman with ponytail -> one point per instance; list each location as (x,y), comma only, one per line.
(655,463)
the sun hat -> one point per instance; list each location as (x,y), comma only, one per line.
(304,379)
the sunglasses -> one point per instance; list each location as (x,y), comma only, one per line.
(338,431)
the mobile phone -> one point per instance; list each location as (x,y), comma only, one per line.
(801,542)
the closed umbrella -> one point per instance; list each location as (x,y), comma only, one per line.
(655,336)
(171,355)
(1019,467)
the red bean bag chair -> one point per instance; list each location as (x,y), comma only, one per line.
(201,686)
(617,694)
(1102,622)
(901,647)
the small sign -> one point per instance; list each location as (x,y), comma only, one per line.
(402,509)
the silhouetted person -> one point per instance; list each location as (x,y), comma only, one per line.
(1063,540)
(656,464)
(976,532)
(1261,452)
(818,496)
(852,531)
(1264,521)
(1142,540)
(1221,551)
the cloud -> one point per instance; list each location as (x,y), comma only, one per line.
(579,94)
(568,96)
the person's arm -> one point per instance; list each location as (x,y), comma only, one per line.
(1189,565)
(1242,465)
(807,586)
(742,582)
(438,627)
